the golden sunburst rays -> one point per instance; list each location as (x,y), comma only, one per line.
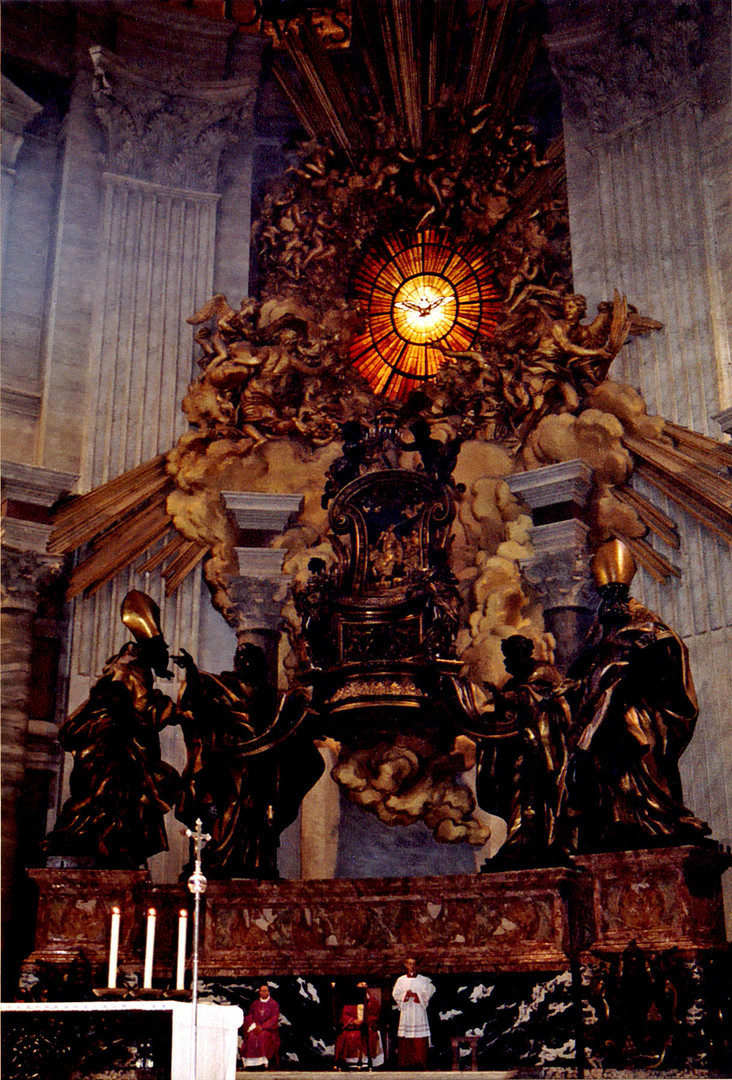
(422,295)
(119,522)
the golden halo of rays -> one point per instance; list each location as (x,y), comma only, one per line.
(421,293)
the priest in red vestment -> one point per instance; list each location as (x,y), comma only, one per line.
(261,1044)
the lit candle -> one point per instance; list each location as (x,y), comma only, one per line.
(149,949)
(180,970)
(113,948)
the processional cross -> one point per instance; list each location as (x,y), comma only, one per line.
(197,885)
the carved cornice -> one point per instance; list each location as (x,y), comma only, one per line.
(552,485)
(20,404)
(626,63)
(18,109)
(33,484)
(166,130)
(262,511)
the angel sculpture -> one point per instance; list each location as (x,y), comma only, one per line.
(545,358)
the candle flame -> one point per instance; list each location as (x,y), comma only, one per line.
(151,911)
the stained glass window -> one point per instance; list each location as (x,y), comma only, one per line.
(421,294)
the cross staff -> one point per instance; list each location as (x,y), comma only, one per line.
(197,885)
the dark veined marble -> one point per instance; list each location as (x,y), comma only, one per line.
(60,1045)
(518,1018)
(637,1011)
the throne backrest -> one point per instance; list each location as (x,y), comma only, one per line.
(386,524)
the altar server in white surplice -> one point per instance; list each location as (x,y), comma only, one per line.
(412,993)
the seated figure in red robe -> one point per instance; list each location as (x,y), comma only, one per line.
(359,1044)
(261,1044)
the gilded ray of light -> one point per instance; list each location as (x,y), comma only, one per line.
(420,294)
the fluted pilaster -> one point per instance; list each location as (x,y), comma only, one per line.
(26,571)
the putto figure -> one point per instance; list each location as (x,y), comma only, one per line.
(633,718)
(120,788)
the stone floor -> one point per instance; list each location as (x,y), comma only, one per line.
(514,1074)
(383,1074)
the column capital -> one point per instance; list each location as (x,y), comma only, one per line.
(168,130)
(26,572)
(624,63)
(258,591)
(557,496)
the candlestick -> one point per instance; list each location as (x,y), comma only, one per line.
(113,948)
(180,970)
(149,949)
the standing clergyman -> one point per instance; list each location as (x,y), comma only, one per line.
(412,993)
(261,1043)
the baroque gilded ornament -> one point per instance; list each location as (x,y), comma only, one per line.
(354,307)
(414,302)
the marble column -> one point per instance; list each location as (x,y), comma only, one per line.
(647,110)
(559,571)
(164,129)
(308,849)
(164,137)
(26,571)
(258,591)
(158,227)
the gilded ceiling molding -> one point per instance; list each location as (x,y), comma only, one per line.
(167,130)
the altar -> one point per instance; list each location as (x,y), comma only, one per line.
(543,948)
(92,1036)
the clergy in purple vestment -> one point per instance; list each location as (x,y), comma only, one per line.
(261,1044)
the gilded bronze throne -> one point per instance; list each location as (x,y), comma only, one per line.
(381,628)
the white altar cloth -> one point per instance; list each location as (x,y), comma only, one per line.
(217,1040)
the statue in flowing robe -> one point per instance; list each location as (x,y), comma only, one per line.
(634,713)
(522,765)
(248,766)
(120,788)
